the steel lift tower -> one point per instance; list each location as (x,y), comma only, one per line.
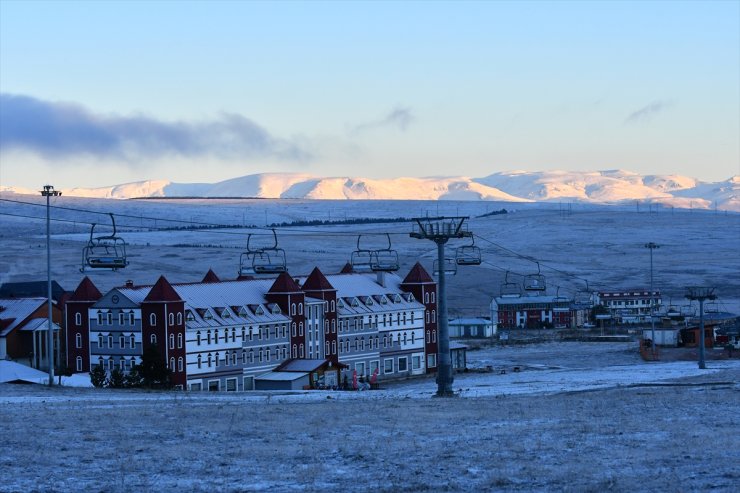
(440,230)
(701,294)
(47,192)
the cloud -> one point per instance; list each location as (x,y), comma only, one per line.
(399,117)
(57,130)
(646,113)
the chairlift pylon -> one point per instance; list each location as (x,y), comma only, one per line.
(468,254)
(104,252)
(262,260)
(535,282)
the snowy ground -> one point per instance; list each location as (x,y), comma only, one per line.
(603,245)
(576,417)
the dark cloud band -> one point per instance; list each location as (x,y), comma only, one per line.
(56,129)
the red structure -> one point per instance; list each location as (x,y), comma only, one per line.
(419,283)
(78,324)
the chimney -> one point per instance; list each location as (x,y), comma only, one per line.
(381,278)
(129,283)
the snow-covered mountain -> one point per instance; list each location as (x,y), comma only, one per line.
(603,187)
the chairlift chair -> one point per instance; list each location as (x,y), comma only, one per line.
(583,296)
(535,282)
(104,252)
(361,259)
(449,266)
(262,260)
(385,259)
(509,288)
(468,254)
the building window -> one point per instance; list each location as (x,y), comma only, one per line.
(434,316)
(292,309)
(432,296)
(179,318)
(215,336)
(109,318)
(100,318)
(208,336)
(172,341)
(110,341)
(426,297)
(295,351)
(233,358)
(434,336)
(388,365)
(132,341)
(200,361)
(300,308)
(300,350)
(251,356)
(403,364)
(244,357)
(244,334)
(431,360)
(300,328)
(261,355)
(179,364)
(233,334)
(179,340)
(122,342)
(333,347)
(172,319)
(326,348)
(78,319)
(210,360)
(152,319)
(215,360)
(153,338)
(78,340)
(110,364)
(120,318)
(333,306)
(429,336)
(131,318)
(427,316)
(79,363)
(197,338)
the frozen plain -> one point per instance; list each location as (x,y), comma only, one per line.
(601,244)
(577,417)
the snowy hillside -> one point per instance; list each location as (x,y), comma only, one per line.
(603,187)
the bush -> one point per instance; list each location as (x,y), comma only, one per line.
(98,376)
(116,380)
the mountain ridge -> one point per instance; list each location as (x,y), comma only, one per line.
(597,187)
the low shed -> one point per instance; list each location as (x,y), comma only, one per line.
(281,380)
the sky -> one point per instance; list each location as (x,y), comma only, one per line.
(101,93)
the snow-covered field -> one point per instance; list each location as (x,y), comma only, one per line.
(576,417)
(601,244)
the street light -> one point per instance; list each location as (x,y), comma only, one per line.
(701,294)
(652,246)
(47,192)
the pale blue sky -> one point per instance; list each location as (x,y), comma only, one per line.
(192,91)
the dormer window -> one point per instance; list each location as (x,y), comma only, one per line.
(369,302)
(226,314)
(259,311)
(340,304)
(208,315)
(189,316)
(355,302)
(383,300)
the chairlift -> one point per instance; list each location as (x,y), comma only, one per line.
(361,259)
(558,301)
(104,252)
(535,282)
(449,266)
(385,259)
(509,288)
(711,307)
(468,254)
(583,296)
(262,260)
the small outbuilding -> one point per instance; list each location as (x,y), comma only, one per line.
(281,380)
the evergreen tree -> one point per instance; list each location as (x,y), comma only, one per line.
(98,376)
(133,378)
(154,371)
(116,380)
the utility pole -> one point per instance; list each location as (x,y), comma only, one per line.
(47,192)
(440,230)
(701,294)
(652,246)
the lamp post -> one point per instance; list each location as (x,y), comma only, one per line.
(440,230)
(47,192)
(652,246)
(701,294)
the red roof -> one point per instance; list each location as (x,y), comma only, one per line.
(86,291)
(162,291)
(284,284)
(210,277)
(417,275)
(316,281)
(347,269)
